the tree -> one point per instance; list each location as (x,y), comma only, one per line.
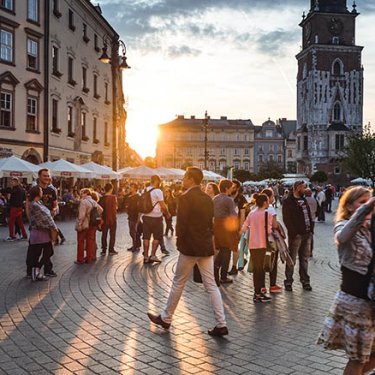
(242,175)
(271,169)
(359,154)
(319,176)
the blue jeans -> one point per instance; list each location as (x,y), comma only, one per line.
(299,245)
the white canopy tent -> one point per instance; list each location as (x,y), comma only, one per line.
(63,168)
(141,172)
(209,175)
(101,172)
(16,167)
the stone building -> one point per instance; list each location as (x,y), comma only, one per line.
(230,143)
(268,145)
(329,86)
(57,99)
(289,128)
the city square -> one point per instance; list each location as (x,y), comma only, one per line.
(91,319)
(157,156)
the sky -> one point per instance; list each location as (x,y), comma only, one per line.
(233,58)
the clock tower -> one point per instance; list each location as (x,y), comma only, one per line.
(329,86)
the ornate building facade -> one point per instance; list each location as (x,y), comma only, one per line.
(230,143)
(329,86)
(269,145)
(57,99)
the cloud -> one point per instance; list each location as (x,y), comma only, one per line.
(144,24)
(178,51)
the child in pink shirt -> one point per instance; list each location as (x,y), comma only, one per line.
(256,221)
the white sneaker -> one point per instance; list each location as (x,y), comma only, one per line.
(10,239)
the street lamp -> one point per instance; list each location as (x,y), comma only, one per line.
(205,128)
(118,63)
(106,59)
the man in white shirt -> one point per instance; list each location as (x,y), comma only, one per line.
(321,198)
(153,221)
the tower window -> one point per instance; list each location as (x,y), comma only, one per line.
(337,112)
(337,67)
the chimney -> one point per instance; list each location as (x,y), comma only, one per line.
(223,118)
(192,117)
(180,117)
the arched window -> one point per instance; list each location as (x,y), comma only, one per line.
(337,67)
(337,112)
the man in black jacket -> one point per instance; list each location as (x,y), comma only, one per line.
(194,242)
(297,219)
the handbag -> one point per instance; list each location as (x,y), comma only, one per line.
(270,257)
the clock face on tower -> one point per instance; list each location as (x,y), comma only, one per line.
(335,26)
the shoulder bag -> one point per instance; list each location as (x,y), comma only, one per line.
(270,257)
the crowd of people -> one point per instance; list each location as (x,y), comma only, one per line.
(213,222)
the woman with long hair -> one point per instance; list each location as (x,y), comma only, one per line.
(212,189)
(350,324)
(256,221)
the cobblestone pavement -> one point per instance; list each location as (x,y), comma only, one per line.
(91,319)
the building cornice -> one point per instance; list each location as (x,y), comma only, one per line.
(16,142)
(328,48)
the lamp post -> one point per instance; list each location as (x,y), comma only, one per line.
(118,63)
(205,128)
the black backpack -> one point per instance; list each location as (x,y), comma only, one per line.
(145,205)
(95,218)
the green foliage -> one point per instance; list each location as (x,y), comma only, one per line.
(359,154)
(270,169)
(242,175)
(319,176)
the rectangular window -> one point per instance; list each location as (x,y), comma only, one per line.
(6,4)
(32,53)
(290,153)
(86,39)
(71,71)
(270,157)
(279,159)
(236,152)
(106,92)
(56,8)
(94,132)
(246,165)
(71,20)
(339,142)
(96,43)
(299,143)
(106,143)
(55,60)
(70,122)
(84,78)
(83,125)
(305,143)
(247,151)
(260,157)
(33,10)
(6,101)
(55,107)
(32,113)
(6,45)
(95,85)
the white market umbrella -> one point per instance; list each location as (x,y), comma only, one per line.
(63,168)
(361,180)
(123,170)
(178,172)
(168,173)
(101,172)
(16,167)
(209,175)
(141,172)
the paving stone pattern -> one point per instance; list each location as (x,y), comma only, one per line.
(91,319)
